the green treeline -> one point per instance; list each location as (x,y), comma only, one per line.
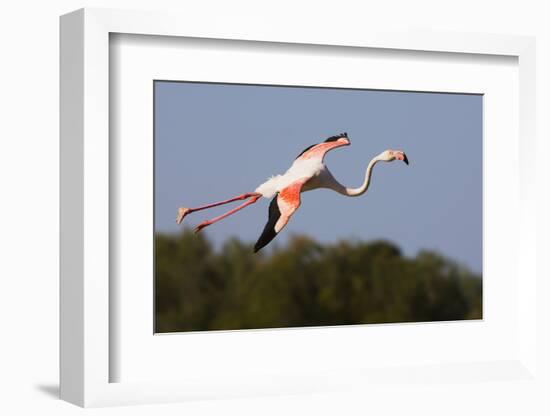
(304,283)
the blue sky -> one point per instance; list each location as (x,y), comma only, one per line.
(214,141)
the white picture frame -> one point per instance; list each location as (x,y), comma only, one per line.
(85,211)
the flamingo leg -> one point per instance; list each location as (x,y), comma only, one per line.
(206,223)
(183,211)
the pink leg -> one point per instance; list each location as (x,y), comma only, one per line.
(183,211)
(203,224)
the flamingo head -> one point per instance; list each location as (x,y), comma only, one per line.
(391,155)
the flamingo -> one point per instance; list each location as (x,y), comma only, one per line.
(306,173)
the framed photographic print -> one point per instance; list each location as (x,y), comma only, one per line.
(309,203)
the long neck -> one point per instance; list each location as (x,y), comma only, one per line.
(364,186)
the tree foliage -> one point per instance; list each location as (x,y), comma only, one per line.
(304,283)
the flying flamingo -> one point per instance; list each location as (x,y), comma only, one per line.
(308,172)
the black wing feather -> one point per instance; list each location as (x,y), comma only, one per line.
(305,150)
(269,233)
(338,136)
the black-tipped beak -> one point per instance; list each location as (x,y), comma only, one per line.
(405,159)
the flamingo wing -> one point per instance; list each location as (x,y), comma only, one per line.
(319,150)
(281,208)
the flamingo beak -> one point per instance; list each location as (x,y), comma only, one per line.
(402,156)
